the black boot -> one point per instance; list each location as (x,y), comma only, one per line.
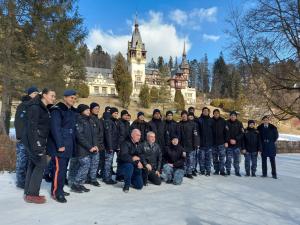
(253,174)
(274,176)
(228,173)
(110,182)
(247,174)
(190,176)
(84,189)
(60,199)
(76,188)
(125,189)
(216,172)
(223,173)
(238,174)
(194,173)
(95,183)
(207,174)
(202,172)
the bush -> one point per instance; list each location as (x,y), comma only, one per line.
(228,104)
(7,154)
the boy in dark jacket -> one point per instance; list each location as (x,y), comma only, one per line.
(194,153)
(173,170)
(189,140)
(205,124)
(220,136)
(252,145)
(269,135)
(142,125)
(87,139)
(157,126)
(21,161)
(235,137)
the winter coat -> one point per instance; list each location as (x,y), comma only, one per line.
(62,134)
(157,126)
(220,131)
(99,124)
(87,135)
(268,137)
(128,150)
(188,135)
(111,132)
(151,154)
(143,126)
(251,140)
(171,130)
(205,126)
(174,155)
(236,132)
(124,130)
(21,114)
(37,127)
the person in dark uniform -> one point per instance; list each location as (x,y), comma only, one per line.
(61,144)
(20,117)
(269,135)
(142,125)
(37,129)
(157,126)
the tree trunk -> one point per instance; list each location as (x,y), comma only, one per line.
(5,108)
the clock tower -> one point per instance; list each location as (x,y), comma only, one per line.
(136,57)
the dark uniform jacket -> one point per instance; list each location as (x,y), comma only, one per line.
(268,137)
(220,131)
(188,135)
(21,114)
(205,124)
(251,140)
(236,132)
(174,155)
(143,126)
(151,154)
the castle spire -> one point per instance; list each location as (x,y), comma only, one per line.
(184,52)
(135,20)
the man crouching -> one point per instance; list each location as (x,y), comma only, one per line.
(130,161)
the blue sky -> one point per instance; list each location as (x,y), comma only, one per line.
(164,25)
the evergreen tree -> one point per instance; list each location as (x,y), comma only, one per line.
(160,63)
(179,100)
(194,73)
(100,59)
(152,64)
(170,64)
(164,92)
(154,94)
(205,75)
(221,79)
(122,80)
(145,98)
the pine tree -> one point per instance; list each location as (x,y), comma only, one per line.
(144,96)
(179,100)
(221,79)
(154,94)
(205,75)
(170,64)
(152,64)
(164,92)
(122,80)
(194,73)
(160,63)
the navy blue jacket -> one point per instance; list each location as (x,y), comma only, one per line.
(251,140)
(205,124)
(111,132)
(171,130)
(236,132)
(268,137)
(62,134)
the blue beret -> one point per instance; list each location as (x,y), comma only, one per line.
(68,93)
(32,89)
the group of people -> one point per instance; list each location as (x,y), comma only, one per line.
(82,146)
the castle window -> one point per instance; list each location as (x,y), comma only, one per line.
(104,90)
(112,91)
(96,89)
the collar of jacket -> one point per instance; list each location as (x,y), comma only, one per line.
(62,106)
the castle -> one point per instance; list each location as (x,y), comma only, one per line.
(101,83)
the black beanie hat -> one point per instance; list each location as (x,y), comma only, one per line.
(169,112)
(191,108)
(156,111)
(140,114)
(113,110)
(107,109)
(124,112)
(82,107)
(250,121)
(233,113)
(216,110)
(93,105)
(184,112)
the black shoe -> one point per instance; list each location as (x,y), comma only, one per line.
(120,178)
(169,182)
(228,173)
(274,176)
(216,173)
(47,178)
(21,186)
(223,174)
(76,188)
(60,199)
(253,175)
(264,176)
(125,189)
(190,176)
(99,176)
(207,174)
(66,193)
(194,173)
(110,182)
(95,183)
(238,174)
(84,189)
(202,172)
(247,174)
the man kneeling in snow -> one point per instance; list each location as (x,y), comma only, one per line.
(152,159)
(130,161)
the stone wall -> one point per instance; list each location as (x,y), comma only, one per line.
(288,146)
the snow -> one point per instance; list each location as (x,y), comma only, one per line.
(289,137)
(203,200)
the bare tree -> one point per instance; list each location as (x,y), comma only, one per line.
(270,30)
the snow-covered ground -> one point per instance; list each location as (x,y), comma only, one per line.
(203,200)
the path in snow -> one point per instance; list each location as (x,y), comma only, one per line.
(204,200)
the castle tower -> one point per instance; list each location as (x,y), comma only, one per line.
(136,57)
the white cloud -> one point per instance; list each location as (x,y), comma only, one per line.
(209,37)
(179,16)
(194,18)
(160,38)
